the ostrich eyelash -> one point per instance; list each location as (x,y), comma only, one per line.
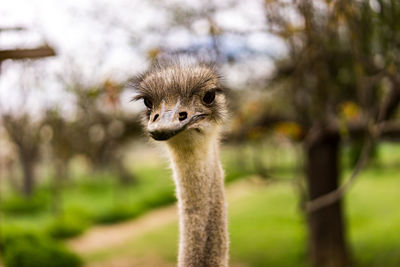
(136,98)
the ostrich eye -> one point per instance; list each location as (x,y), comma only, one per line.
(209,97)
(147,102)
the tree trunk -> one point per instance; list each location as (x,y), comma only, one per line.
(326,227)
(28,176)
(125,178)
(60,178)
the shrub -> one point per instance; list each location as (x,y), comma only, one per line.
(12,234)
(32,250)
(96,185)
(234,174)
(160,198)
(120,213)
(22,205)
(66,227)
(126,211)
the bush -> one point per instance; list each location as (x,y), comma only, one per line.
(12,234)
(119,213)
(160,198)
(96,185)
(22,205)
(234,174)
(32,250)
(125,211)
(66,227)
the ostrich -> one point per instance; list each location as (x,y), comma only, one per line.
(185,108)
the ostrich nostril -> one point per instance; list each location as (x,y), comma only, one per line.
(155,117)
(182,116)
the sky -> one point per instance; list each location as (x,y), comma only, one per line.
(99,39)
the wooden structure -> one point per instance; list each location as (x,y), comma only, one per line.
(32,53)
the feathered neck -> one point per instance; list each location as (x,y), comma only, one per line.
(199,180)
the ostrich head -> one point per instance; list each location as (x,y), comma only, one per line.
(183,98)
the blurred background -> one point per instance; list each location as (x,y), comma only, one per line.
(310,151)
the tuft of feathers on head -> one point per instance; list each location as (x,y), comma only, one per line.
(172,75)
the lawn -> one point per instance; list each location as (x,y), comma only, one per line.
(267,229)
(94,199)
(100,198)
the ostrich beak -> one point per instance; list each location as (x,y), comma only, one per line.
(169,122)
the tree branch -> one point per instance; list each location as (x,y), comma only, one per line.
(333,196)
(43,51)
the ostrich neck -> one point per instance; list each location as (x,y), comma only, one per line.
(199,183)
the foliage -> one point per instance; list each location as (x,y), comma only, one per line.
(17,204)
(342,64)
(341,80)
(124,211)
(25,249)
(235,174)
(118,214)
(159,198)
(66,227)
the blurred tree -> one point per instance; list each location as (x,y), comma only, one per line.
(99,130)
(339,52)
(25,135)
(23,132)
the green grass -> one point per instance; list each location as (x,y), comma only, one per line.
(374,218)
(99,198)
(93,197)
(267,229)
(85,201)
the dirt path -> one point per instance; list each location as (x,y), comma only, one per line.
(127,261)
(100,238)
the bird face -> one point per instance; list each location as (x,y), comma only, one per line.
(169,118)
(181,99)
